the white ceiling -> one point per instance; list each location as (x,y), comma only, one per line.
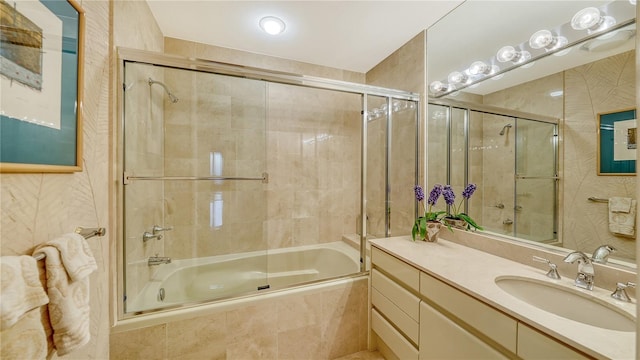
(349,35)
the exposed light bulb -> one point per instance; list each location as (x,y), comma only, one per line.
(272,25)
(544,39)
(457,77)
(592,20)
(479,67)
(438,86)
(509,53)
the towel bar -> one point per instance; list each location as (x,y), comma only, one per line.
(595,199)
(85,232)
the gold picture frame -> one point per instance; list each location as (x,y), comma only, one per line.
(617,143)
(41,69)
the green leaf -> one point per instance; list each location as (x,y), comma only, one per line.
(470,221)
(414,231)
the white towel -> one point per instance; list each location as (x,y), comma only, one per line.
(68,263)
(621,223)
(21,288)
(620,204)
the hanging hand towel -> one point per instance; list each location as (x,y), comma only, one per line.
(620,204)
(68,263)
(21,288)
(23,335)
(621,223)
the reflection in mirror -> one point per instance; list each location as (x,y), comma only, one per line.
(526,134)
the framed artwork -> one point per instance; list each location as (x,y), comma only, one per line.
(617,142)
(41,58)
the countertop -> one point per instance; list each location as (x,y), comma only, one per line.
(473,272)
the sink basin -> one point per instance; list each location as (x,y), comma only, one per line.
(568,303)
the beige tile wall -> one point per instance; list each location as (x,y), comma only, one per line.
(315,325)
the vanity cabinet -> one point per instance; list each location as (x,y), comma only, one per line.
(417,316)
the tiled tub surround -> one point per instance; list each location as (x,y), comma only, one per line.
(473,272)
(321,321)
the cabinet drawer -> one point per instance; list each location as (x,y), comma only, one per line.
(400,270)
(398,295)
(441,338)
(489,321)
(400,346)
(399,318)
(535,345)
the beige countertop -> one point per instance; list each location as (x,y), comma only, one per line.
(473,272)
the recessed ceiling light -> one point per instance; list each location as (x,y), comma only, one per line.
(272,25)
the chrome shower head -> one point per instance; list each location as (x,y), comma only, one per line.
(504,128)
(172,97)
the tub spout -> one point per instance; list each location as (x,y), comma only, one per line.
(157,260)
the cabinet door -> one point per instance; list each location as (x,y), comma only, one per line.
(441,338)
(535,345)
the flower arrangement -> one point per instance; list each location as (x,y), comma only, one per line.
(420,227)
(423,224)
(455,213)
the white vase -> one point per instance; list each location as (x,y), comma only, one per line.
(433,229)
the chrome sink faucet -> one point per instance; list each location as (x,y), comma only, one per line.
(585,269)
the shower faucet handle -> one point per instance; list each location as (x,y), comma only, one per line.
(158,228)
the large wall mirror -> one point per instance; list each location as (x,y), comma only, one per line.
(517,89)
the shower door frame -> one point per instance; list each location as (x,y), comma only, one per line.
(185,63)
(515,114)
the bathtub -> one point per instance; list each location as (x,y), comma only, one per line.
(199,280)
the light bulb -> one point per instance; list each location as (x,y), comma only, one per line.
(479,67)
(592,20)
(585,18)
(457,77)
(437,86)
(545,39)
(509,53)
(272,25)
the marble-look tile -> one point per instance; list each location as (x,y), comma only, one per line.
(301,343)
(198,338)
(252,321)
(362,355)
(258,346)
(299,311)
(145,343)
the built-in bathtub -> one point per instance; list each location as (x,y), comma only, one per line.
(200,280)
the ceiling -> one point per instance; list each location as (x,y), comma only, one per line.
(348,35)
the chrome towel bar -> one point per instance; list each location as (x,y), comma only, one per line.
(87,233)
(128,178)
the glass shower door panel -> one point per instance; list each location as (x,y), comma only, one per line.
(313,194)
(185,134)
(402,166)
(457,153)
(536,153)
(437,148)
(535,210)
(494,154)
(376,166)
(536,186)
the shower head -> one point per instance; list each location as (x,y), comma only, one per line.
(504,128)
(172,97)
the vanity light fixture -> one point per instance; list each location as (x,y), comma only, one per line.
(509,53)
(592,20)
(545,39)
(272,25)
